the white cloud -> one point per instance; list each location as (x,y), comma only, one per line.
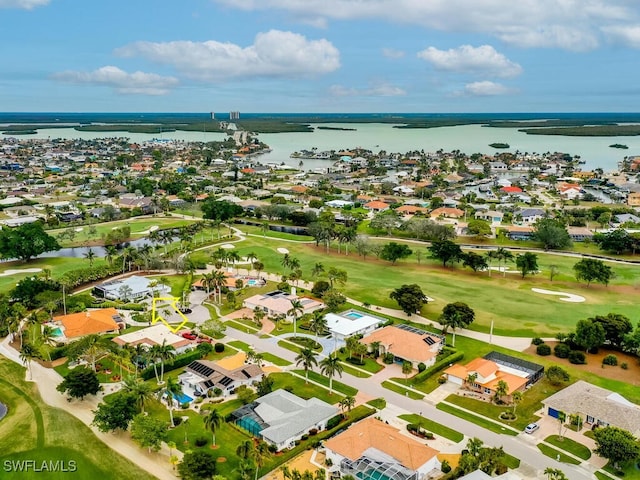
(569,24)
(486,88)
(24,4)
(467,59)
(624,34)
(392,53)
(382,90)
(273,54)
(129,83)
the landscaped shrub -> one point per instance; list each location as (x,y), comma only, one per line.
(334,422)
(537,341)
(442,379)
(320,287)
(388,358)
(304,437)
(355,361)
(562,350)
(576,357)
(413,428)
(429,436)
(313,431)
(439,365)
(445,467)
(610,360)
(179,361)
(543,349)
(201,441)
(421,367)
(624,365)
(177,421)
(219,347)
(58,352)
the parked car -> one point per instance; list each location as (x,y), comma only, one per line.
(189,336)
(532,427)
(202,340)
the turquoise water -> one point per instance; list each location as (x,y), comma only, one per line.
(182,398)
(252,282)
(353,315)
(249,424)
(56,332)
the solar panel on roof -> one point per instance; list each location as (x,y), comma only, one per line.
(429,340)
(201,369)
(208,384)
(226,381)
(245,373)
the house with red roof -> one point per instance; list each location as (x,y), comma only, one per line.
(447,212)
(376,206)
(511,190)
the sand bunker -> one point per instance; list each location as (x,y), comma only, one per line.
(227,246)
(565,297)
(6,273)
(79,229)
(282,250)
(152,228)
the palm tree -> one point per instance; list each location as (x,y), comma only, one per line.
(207,281)
(317,270)
(347,404)
(251,258)
(122,358)
(491,255)
(516,398)
(212,422)
(29,352)
(336,275)
(139,390)
(329,366)
(91,348)
(110,254)
(296,308)
(172,389)
(219,281)
(258,267)
(407,368)
(503,255)
(245,449)
(162,353)
(285,260)
(90,256)
(306,358)
(260,455)
(128,254)
(318,323)
(233,258)
(294,264)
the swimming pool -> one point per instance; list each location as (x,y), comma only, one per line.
(252,282)
(353,315)
(182,398)
(56,332)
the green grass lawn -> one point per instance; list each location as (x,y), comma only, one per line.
(434,427)
(629,471)
(138,225)
(428,386)
(34,431)
(555,454)
(302,389)
(271,358)
(378,403)
(250,229)
(481,421)
(402,391)
(569,445)
(525,411)
(372,280)
(370,364)
(324,380)
(356,373)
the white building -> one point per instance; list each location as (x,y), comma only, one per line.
(352,322)
(131,288)
(155,335)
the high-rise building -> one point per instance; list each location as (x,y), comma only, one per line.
(213,115)
(234,115)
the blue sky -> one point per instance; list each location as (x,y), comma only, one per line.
(320,55)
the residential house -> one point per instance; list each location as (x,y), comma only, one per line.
(618,219)
(492,216)
(280,418)
(279,303)
(633,199)
(516,232)
(153,336)
(352,322)
(447,212)
(130,288)
(570,191)
(511,190)
(373,449)
(484,374)
(92,321)
(531,215)
(376,206)
(201,376)
(580,234)
(406,343)
(595,405)
(410,210)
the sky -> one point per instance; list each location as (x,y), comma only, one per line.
(360,56)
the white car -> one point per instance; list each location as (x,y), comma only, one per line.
(532,427)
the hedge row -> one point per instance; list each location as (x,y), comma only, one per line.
(81,276)
(136,307)
(439,365)
(179,361)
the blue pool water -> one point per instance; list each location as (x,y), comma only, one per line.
(182,398)
(56,332)
(353,315)
(252,282)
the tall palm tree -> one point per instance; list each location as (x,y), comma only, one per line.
(90,256)
(162,353)
(491,255)
(212,422)
(128,254)
(251,258)
(110,254)
(294,311)
(141,391)
(307,359)
(503,255)
(258,267)
(317,270)
(294,264)
(219,281)
(318,323)
(91,348)
(172,389)
(122,358)
(347,404)
(29,352)
(260,455)
(329,366)
(233,258)
(207,281)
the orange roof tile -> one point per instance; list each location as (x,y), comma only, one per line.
(372,433)
(89,322)
(403,344)
(377,205)
(482,366)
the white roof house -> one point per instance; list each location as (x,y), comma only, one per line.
(131,288)
(352,322)
(155,335)
(280,418)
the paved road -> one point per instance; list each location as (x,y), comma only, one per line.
(520,448)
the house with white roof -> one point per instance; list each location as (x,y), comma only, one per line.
(152,336)
(352,322)
(279,303)
(280,418)
(130,288)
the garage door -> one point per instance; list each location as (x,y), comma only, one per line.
(553,412)
(456,380)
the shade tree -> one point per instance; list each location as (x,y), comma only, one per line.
(410,297)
